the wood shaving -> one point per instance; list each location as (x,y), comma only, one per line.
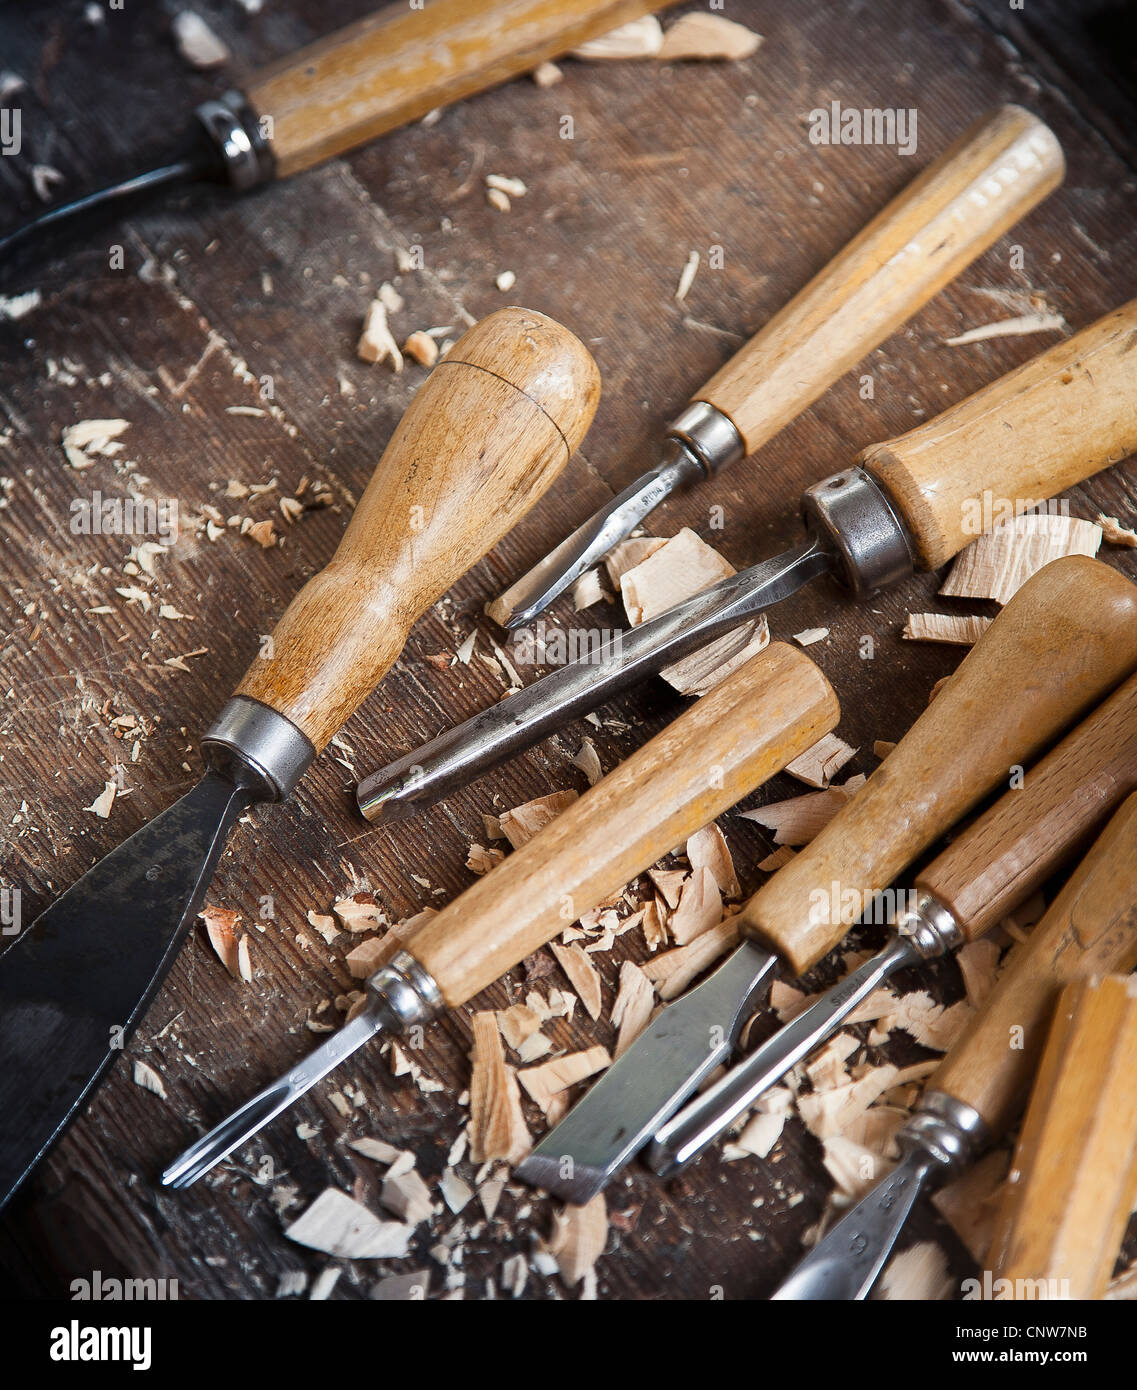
(325,924)
(1116,534)
(263,532)
(456,1192)
(544,1082)
(673,971)
(699,35)
(817,766)
(16,306)
(338,1225)
(831,1112)
(956,629)
(773,862)
(196,41)
(87,440)
(581,975)
(588,760)
(376,342)
(918,1274)
(481,860)
(670,883)
(787,1001)
(654,927)
(708,849)
(640,38)
(524,821)
(146,1077)
(359,912)
(547,75)
(626,555)
(497,199)
(811,635)
(1010,328)
(406,1196)
(244,961)
(578,1239)
(999,563)
(931,1024)
(219,928)
(497,1126)
(854,1168)
(588,590)
(366,958)
(826,1068)
(758,1137)
(634,1003)
(421,348)
(687,277)
(517,1023)
(511,187)
(699,910)
(978,963)
(102,803)
(505,281)
(377,1149)
(798,819)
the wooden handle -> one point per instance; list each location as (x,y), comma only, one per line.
(993,175)
(1062,642)
(1091,929)
(741,733)
(397,65)
(488,431)
(1073,1182)
(1035,829)
(1035,432)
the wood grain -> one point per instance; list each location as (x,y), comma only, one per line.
(992,176)
(1091,929)
(727,744)
(395,66)
(1048,425)
(1037,828)
(1073,1181)
(1065,639)
(489,430)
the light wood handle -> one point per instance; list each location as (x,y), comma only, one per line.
(1035,829)
(1090,929)
(730,742)
(1062,642)
(993,175)
(1073,1182)
(397,65)
(488,431)
(1035,432)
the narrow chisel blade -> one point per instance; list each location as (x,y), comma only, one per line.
(77,980)
(658,1072)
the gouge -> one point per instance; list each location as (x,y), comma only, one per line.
(975,1095)
(1066,638)
(380,73)
(906,503)
(994,174)
(1073,1180)
(735,738)
(985,873)
(490,428)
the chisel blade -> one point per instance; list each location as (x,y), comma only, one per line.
(845,1264)
(665,1064)
(77,980)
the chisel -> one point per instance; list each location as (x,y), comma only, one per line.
(984,874)
(1063,641)
(1004,165)
(911,502)
(487,432)
(1073,1180)
(342,91)
(975,1095)
(739,735)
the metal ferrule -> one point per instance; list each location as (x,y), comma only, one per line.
(250,739)
(855,518)
(945,1130)
(232,125)
(709,435)
(406,993)
(930,927)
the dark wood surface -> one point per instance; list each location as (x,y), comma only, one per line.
(664,160)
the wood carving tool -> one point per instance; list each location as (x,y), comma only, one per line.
(906,504)
(989,870)
(342,91)
(487,432)
(747,728)
(1004,165)
(1063,641)
(975,1095)
(1073,1180)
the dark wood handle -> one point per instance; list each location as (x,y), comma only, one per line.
(488,431)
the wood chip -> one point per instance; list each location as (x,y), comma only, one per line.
(359,912)
(956,629)
(589,589)
(798,819)
(421,348)
(758,1137)
(263,532)
(482,860)
(626,555)
(376,342)
(497,1126)
(699,910)
(632,1010)
(547,75)
(196,41)
(588,760)
(811,635)
(104,801)
(817,766)
(546,1081)
(366,958)
(517,1023)
(511,187)
(700,35)
(1010,328)
(524,821)
(670,883)
(674,970)
(578,1239)
(1116,534)
(918,1274)
(377,1149)
(931,1024)
(854,1168)
(244,961)
(220,924)
(999,563)
(831,1112)
(406,1196)
(146,1077)
(338,1225)
(640,38)
(456,1192)
(687,277)
(581,975)
(87,440)
(708,849)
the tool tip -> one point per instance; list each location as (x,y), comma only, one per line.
(564,1177)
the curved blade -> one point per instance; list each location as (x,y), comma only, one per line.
(844,1265)
(75,983)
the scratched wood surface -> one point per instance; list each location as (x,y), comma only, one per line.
(218,299)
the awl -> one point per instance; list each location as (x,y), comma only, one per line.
(908,503)
(1004,165)
(749,727)
(984,874)
(488,430)
(978,1090)
(342,91)
(1065,639)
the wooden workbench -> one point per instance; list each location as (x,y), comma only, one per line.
(222,303)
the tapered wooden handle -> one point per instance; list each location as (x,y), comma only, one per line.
(488,431)
(730,742)
(1035,432)
(1063,641)
(1042,824)
(1090,929)
(397,65)
(1073,1182)
(993,175)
